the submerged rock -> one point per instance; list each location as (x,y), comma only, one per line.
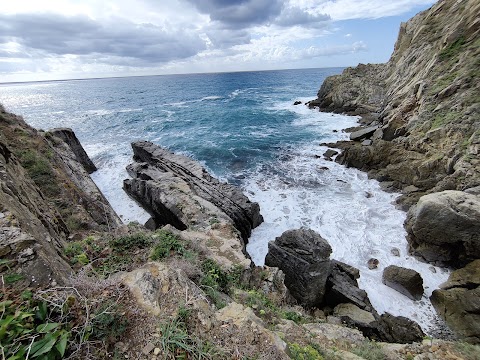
(444,228)
(406,281)
(304,256)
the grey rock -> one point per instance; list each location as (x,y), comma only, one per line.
(329,153)
(372,263)
(444,228)
(363,133)
(354,316)
(399,329)
(395,252)
(367,142)
(406,281)
(177,190)
(304,256)
(69,137)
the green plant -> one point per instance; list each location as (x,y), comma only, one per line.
(294,316)
(25,332)
(176,343)
(168,243)
(39,171)
(128,242)
(214,276)
(108,323)
(73,249)
(453,49)
(369,350)
(298,352)
(12,278)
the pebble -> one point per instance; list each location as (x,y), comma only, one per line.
(148,349)
(156,351)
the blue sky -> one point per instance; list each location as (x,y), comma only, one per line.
(62,39)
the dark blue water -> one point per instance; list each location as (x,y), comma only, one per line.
(245,129)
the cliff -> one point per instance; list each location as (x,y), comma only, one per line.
(425,101)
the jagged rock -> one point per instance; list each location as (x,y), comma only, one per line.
(342,287)
(329,153)
(304,257)
(406,281)
(69,137)
(458,302)
(298,102)
(363,133)
(176,190)
(444,228)
(399,329)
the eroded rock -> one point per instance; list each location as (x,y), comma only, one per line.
(406,281)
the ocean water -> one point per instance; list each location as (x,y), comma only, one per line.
(244,128)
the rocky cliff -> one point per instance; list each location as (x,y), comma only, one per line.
(425,101)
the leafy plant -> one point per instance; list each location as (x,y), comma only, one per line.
(168,243)
(369,350)
(298,352)
(294,316)
(25,332)
(12,278)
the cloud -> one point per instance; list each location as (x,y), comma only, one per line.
(240,13)
(364,9)
(80,35)
(294,16)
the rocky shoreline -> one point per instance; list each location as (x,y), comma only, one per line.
(419,134)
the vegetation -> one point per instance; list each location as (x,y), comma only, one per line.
(40,171)
(168,244)
(308,352)
(453,49)
(369,350)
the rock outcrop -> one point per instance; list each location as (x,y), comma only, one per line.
(316,281)
(46,195)
(444,228)
(406,281)
(177,190)
(458,302)
(425,100)
(304,256)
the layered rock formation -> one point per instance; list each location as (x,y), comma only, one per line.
(178,191)
(45,196)
(425,100)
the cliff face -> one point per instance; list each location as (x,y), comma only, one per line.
(46,195)
(426,101)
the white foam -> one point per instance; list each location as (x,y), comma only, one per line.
(214,97)
(351,211)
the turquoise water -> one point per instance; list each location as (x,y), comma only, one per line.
(245,129)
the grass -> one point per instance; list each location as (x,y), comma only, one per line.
(453,49)
(40,171)
(369,350)
(469,351)
(443,118)
(138,240)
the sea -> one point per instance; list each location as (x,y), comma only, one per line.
(245,129)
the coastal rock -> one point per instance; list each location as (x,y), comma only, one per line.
(329,154)
(176,190)
(69,137)
(363,133)
(458,302)
(342,287)
(399,329)
(444,228)
(304,256)
(406,281)
(356,317)
(425,100)
(372,263)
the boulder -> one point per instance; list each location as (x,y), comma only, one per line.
(304,256)
(406,281)
(373,263)
(355,317)
(298,102)
(363,133)
(177,190)
(399,329)
(342,287)
(444,228)
(458,302)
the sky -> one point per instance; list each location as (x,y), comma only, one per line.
(65,39)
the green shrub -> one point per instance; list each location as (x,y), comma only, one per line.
(294,316)
(108,322)
(129,242)
(12,278)
(298,352)
(40,172)
(168,244)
